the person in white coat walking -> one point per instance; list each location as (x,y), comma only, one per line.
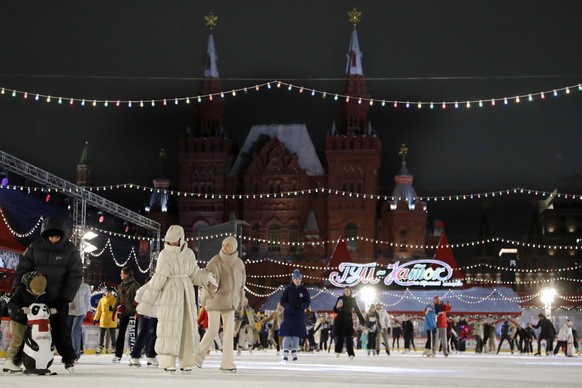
(171,287)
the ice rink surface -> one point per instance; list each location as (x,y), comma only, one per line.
(320,369)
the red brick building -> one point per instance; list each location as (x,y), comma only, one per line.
(273,183)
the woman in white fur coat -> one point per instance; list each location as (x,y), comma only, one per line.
(171,287)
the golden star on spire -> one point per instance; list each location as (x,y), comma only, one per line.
(355,16)
(211,20)
(403,151)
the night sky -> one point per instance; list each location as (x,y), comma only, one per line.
(412,51)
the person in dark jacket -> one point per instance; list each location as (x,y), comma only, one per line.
(343,323)
(31,290)
(125,308)
(294,300)
(547,332)
(59,261)
(408,333)
(505,335)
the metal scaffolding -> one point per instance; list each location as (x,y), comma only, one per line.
(81,197)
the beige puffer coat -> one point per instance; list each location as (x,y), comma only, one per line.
(171,287)
(230,274)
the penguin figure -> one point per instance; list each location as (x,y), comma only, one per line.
(38,344)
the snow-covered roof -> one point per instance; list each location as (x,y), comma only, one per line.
(295,138)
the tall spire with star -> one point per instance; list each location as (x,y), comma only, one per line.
(211,109)
(353,158)
(355,108)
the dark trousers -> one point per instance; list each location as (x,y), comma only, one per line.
(102,332)
(549,343)
(323,342)
(478,344)
(61,333)
(339,344)
(276,340)
(503,338)
(146,337)
(123,322)
(430,340)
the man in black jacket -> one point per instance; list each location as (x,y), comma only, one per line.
(547,332)
(59,261)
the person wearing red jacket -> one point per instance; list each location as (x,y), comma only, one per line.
(441,311)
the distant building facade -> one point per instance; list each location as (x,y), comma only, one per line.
(276,182)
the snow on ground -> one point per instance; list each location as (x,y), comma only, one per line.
(262,369)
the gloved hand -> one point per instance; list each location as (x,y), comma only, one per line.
(95,322)
(212,280)
(110,308)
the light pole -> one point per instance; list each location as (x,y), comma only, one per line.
(548,295)
(87,247)
(368,295)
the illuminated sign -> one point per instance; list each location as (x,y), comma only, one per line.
(423,273)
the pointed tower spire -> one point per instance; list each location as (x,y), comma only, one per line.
(84,168)
(159,199)
(211,110)
(354,65)
(311,228)
(404,190)
(355,108)
(404,218)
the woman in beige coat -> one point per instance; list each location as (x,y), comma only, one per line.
(171,287)
(222,301)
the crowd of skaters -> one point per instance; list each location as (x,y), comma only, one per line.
(169,319)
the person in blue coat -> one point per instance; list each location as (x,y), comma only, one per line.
(295,300)
(430,328)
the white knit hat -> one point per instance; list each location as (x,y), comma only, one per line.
(174,233)
(232,241)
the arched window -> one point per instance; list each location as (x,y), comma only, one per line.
(255,238)
(293,238)
(274,238)
(351,234)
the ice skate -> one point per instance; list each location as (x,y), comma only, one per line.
(11,367)
(70,367)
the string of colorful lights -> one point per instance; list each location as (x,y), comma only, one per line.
(174,101)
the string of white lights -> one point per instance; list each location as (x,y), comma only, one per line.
(467,278)
(518,282)
(21,235)
(131,255)
(344,193)
(300,89)
(459,245)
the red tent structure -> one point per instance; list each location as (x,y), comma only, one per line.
(445,253)
(10,248)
